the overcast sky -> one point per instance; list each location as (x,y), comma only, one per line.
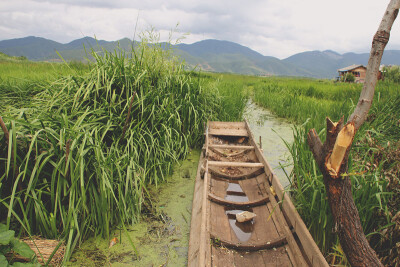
(277,28)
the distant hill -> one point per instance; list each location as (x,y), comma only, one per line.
(224,56)
(325,64)
(210,55)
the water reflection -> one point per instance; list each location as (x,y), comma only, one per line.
(242,230)
(272,130)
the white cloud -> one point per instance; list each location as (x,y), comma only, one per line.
(274,28)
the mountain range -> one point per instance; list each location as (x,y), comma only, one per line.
(210,55)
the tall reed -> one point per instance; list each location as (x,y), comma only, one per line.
(68,171)
(308,102)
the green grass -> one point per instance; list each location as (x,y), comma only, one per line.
(20,80)
(76,164)
(307,103)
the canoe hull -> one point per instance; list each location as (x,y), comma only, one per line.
(233,177)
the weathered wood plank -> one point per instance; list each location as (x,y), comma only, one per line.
(195,224)
(245,204)
(204,234)
(234,164)
(222,257)
(227,124)
(276,257)
(219,220)
(270,224)
(251,174)
(255,258)
(295,254)
(243,259)
(267,244)
(311,249)
(228,132)
(232,147)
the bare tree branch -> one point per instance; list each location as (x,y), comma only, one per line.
(332,156)
(379,42)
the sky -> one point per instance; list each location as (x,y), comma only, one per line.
(278,28)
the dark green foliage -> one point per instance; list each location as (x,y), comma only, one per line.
(12,247)
(348,77)
(71,174)
(392,74)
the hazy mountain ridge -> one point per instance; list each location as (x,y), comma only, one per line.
(210,55)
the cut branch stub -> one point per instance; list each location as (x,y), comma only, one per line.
(332,130)
(340,150)
(332,157)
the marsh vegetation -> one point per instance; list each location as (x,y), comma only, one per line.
(82,144)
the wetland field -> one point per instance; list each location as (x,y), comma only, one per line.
(105,152)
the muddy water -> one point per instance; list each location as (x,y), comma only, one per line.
(162,236)
(272,130)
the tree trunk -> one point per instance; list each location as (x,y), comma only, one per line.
(332,156)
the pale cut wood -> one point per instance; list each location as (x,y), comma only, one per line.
(341,147)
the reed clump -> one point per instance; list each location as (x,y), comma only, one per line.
(75,164)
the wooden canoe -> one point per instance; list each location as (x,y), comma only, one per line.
(233,176)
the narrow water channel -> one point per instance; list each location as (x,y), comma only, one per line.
(162,237)
(272,130)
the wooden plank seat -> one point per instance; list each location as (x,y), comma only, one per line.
(230,132)
(234,164)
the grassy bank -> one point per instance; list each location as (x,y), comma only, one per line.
(21,79)
(372,166)
(84,142)
(82,147)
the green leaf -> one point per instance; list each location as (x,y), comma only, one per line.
(3,227)
(3,261)
(6,237)
(22,249)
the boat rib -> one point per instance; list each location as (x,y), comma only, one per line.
(233,176)
(245,204)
